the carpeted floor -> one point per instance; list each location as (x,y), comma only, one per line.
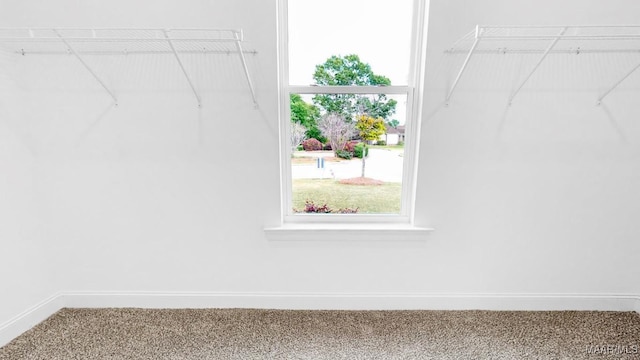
(292,334)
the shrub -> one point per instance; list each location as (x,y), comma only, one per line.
(300,148)
(381,142)
(310,207)
(359,149)
(326,146)
(400,143)
(350,146)
(344,154)
(311,145)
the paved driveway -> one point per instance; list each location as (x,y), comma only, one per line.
(381,164)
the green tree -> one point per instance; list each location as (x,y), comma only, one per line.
(370,129)
(393,123)
(307,115)
(350,71)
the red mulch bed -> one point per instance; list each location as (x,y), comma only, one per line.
(361,181)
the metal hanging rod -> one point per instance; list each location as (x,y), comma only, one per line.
(109,39)
(101,33)
(564,37)
(621,35)
(559,26)
(540,51)
(135,52)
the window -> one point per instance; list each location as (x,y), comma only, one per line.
(350,98)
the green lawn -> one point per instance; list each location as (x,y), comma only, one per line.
(370,199)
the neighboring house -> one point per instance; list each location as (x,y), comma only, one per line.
(393,135)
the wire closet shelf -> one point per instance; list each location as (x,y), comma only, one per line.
(121,41)
(545,40)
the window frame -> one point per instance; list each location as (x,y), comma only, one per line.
(413,91)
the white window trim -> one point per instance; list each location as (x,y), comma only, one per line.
(352,226)
(317,89)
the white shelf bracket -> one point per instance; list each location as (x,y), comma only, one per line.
(245,68)
(464,65)
(617,84)
(544,55)
(184,71)
(95,76)
(124,41)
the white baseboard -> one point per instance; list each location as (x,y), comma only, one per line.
(316,301)
(356,301)
(29,318)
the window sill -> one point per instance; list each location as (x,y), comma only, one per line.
(318,232)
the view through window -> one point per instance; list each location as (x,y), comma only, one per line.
(350,91)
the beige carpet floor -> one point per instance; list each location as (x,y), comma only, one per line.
(291,334)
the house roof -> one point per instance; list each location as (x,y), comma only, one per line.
(397,130)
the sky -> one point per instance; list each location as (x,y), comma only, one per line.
(379,33)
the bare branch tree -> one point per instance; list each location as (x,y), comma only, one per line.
(335,128)
(298,135)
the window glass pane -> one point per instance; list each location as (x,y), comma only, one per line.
(378,32)
(324,180)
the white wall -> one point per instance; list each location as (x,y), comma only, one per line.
(26,276)
(536,198)
(136,197)
(541,196)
